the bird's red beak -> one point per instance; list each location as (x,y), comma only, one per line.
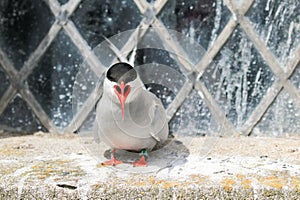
(122,91)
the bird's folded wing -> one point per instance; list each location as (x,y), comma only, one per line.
(96,132)
(158,121)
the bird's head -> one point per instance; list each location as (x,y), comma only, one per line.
(121,80)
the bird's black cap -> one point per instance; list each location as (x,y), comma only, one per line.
(121,72)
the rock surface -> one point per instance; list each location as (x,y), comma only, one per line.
(51,166)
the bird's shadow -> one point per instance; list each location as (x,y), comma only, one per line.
(165,156)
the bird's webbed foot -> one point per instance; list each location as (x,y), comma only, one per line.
(142,161)
(113,161)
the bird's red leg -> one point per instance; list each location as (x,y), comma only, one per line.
(142,161)
(113,161)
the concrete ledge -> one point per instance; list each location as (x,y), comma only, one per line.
(148,193)
(46,166)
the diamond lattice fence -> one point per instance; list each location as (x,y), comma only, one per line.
(247,81)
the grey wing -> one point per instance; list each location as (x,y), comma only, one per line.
(96,128)
(96,131)
(159,124)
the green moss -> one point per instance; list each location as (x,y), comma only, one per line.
(9,168)
(58,169)
(8,151)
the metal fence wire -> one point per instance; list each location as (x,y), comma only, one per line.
(255,46)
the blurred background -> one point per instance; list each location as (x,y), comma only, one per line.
(247,80)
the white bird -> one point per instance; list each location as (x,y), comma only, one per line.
(128,116)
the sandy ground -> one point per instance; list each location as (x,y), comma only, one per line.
(67,166)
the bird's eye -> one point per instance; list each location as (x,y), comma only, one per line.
(118,89)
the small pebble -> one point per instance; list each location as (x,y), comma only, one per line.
(40,133)
(264,156)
